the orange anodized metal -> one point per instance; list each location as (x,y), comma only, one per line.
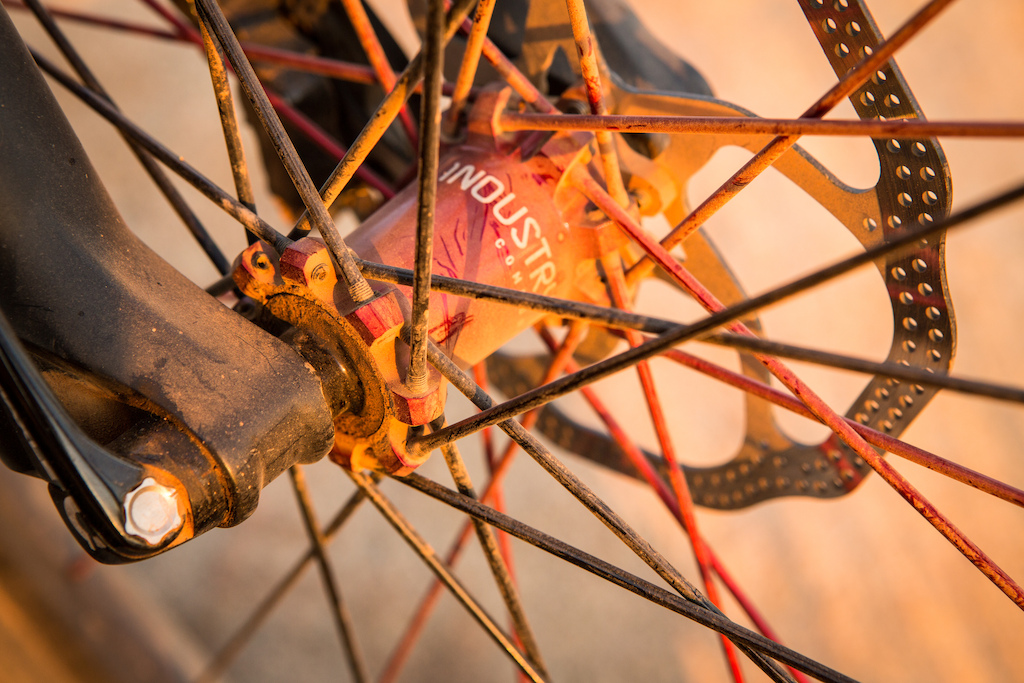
(506,215)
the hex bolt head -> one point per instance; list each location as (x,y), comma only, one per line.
(151,512)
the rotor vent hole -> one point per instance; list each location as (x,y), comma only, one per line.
(841,5)
(905,199)
(870,224)
(933,313)
(867,98)
(909,324)
(930,198)
(842,50)
(906,298)
(919,265)
(829,25)
(899,274)
(879,78)
(903,172)
(925,219)
(918,149)
(909,346)
(935,335)
(892,101)
(893,146)
(928,173)
(894,222)
(866,51)
(853,28)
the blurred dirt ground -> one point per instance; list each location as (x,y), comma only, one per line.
(862,584)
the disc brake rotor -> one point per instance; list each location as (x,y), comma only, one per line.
(913,188)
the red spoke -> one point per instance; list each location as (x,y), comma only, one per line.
(646,469)
(587,51)
(739,125)
(378,60)
(491,493)
(779,145)
(888,443)
(660,256)
(684,500)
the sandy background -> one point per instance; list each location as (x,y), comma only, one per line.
(862,584)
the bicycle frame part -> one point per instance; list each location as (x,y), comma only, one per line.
(165,382)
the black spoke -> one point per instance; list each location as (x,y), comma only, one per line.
(489,543)
(702,615)
(160,178)
(342,618)
(210,13)
(569,383)
(245,632)
(429,557)
(564,476)
(252,222)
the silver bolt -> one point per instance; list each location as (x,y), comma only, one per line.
(151,512)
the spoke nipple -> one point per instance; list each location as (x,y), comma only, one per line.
(151,512)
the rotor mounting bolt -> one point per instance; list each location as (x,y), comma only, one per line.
(151,512)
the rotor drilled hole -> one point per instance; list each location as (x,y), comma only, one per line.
(853,28)
(918,149)
(892,101)
(867,98)
(894,222)
(919,265)
(893,146)
(933,313)
(903,172)
(928,173)
(842,50)
(930,198)
(925,219)
(905,199)
(925,289)
(899,274)
(829,25)
(909,324)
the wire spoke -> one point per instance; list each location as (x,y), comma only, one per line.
(426,203)
(702,615)
(779,145)
(426,553)
(252,222)
(375,54)
(502,576)
(245,632)
(822,411)
(605,368)
(874,437)
(683,499)
(380,120)
(586,49)
(468,66)
(643,550)
(646,468)
(174,198)
(342,618)
(738,125)
(210,13)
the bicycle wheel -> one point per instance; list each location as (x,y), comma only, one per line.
(822,537)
